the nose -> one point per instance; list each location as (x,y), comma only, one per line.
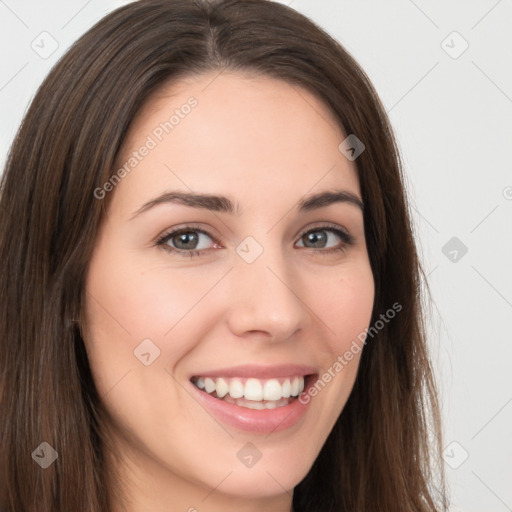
(266,297)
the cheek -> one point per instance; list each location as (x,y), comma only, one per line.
(347,306)
(130,298)
(128,301)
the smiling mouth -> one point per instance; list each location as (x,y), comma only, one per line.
(253,393)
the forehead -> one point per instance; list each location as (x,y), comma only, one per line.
(240,135)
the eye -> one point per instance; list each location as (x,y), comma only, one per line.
(192,241)
(187,241)
(320,236)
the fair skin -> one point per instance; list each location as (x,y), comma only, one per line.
(266,145)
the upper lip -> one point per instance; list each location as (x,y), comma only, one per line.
(262,372)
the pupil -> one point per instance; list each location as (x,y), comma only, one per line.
(187,237)
(318,238)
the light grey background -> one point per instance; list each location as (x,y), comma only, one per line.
(452,117)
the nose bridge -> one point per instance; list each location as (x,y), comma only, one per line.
(266,291)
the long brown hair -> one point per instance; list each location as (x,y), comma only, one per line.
(378,456)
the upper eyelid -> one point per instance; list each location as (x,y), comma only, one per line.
(187,227)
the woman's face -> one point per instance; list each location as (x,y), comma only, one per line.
(248,300)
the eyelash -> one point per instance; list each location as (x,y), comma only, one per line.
(347,240)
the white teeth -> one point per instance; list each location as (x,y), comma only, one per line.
(272,390)
(209,385)
(254,390)
(222,387)
(242,402)
(295,387)
(255,405)
(287,389)
(236,389)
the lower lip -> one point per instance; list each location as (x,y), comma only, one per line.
(264,421)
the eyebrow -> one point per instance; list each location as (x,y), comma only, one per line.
(223,204)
